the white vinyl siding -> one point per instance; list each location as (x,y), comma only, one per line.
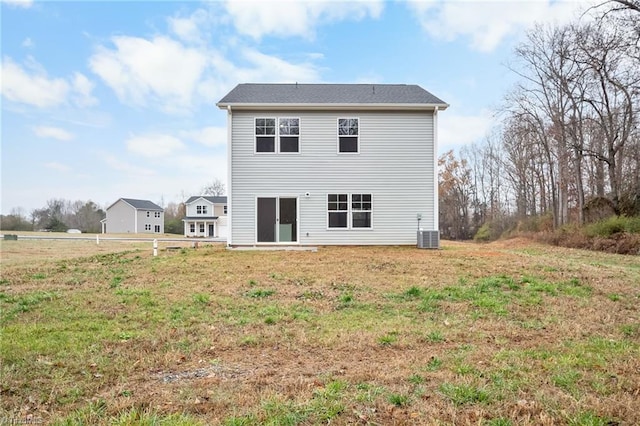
(123,218)
(396,164)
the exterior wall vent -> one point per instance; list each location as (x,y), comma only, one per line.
(429,239)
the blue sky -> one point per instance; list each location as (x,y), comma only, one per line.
(102,100)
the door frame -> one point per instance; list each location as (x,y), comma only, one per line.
(255,222)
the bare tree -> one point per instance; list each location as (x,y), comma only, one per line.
(216,188)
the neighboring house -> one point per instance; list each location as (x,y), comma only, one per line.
(206,217)
(128,215)
(324,164)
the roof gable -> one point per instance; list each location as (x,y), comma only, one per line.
(211,199)
(250,94)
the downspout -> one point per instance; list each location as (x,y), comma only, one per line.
(229,174)
(436,206)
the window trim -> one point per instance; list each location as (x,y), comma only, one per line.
(362,202)
(350,211)
(201,209)
(279,136)
(277,142)
(255,136)
(338,136)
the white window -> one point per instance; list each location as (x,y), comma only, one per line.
(287,132)
(348,132)
(157,228)
(148,213)
(202,227)
(338,210)
(361,210)
(201,209)
(225,209)
(349,211)
(192,228)
(157,214)
(147,227)
(265,135)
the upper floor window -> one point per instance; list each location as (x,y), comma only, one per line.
(157,214)
(225,209)
(287,132)
(348,132)
(201,209)
(289,129)
(148,214)
(265,134)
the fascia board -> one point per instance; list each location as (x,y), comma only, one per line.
(332,106)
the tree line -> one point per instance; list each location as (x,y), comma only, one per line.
(566,148)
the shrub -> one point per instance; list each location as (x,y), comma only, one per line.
(483,234)
(613,225)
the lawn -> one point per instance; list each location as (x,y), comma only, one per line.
(507,333)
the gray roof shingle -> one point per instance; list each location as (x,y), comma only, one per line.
(251,93)
(142,204)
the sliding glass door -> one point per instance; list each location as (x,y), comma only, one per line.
(277,219)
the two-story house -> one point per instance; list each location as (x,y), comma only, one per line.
(325,164)
(206,216)
(128,215)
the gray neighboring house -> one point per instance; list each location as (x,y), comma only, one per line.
(332,164)
(206,216)
(128,215)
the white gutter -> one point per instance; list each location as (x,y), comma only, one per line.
(325,106)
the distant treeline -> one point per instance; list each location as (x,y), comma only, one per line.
(60,215)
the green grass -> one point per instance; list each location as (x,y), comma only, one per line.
(462,394)
(342,336)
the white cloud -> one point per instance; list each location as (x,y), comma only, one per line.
(276,70)
(158,70)
(455,130)
(148,72)
(32,86)
(83,87)
(126,168)
(208,136)
(19,3)
(59,167)
(295,18)
(190,29)
(488,23)
(35,89)
(52,133)
(28,43)
(154,145)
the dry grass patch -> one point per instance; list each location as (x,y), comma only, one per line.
(506,333)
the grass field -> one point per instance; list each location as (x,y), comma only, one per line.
(508,333)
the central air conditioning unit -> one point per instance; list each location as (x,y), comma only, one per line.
(428,239)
